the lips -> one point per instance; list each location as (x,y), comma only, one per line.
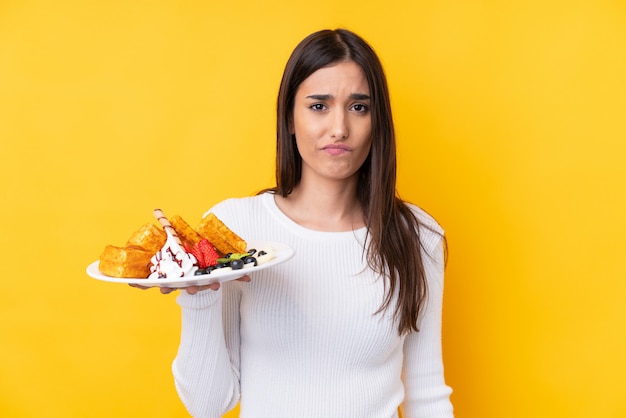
(336,149)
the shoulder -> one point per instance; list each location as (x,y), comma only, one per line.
(236,205)
(425,219)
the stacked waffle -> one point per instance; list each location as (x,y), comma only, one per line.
(133,259)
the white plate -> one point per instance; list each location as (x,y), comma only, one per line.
(282,253)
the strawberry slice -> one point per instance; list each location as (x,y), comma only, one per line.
(204,252)
(195,251)
(209,253)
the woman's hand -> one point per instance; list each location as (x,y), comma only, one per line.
(192,290)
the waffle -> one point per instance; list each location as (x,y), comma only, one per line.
(186,233)
(125,261)
(133,260)
(222,237)
(149,237)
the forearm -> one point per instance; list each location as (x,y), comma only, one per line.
(427,394)
(204,377)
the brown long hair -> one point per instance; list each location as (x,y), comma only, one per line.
(394,231)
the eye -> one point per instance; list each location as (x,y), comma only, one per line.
(318,107)
(360,108)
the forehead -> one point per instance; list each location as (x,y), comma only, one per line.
(343,76)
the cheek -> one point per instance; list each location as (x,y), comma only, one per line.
(306,146)
(307,130)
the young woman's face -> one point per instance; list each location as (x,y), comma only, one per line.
(332,122)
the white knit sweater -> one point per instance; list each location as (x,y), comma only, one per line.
(302,338)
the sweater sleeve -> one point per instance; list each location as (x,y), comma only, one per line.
(206,380)
(426,393)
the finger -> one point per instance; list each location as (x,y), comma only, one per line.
(192,290)
(138,286)
(245,278)
(166,290)
(213,286)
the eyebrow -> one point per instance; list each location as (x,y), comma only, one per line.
(324,97)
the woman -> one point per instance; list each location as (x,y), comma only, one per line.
(351,325)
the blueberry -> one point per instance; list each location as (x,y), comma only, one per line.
(262,253)
(210,269)
(222,265)
(251,251)
(199,272)
(250,260)
(236,264)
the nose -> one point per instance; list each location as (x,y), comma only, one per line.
(339,129)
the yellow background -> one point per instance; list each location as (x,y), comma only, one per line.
(510,117)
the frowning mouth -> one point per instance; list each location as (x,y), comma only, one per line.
(336,149)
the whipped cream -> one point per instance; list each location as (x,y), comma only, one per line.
(268,256)
(172,261)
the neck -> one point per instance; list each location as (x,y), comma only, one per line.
(332,206)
